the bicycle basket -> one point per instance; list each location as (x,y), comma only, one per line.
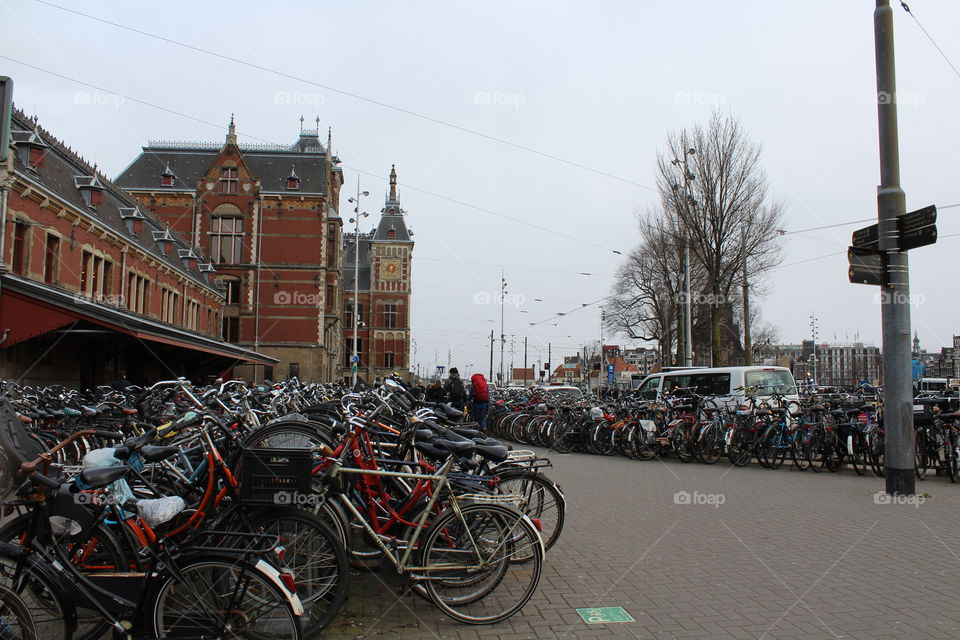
(275,476)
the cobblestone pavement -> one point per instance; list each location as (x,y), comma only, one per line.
(697,551)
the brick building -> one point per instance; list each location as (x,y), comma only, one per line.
(384,287)
(268,217)
(91,286)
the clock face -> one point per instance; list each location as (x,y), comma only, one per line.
(390,270)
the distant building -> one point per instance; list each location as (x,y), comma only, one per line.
(521,377)
(384,286)
(840,365)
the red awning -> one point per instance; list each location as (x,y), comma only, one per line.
(217,352)
(27,318)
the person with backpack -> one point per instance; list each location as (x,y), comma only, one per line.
(479,400)
(456,394)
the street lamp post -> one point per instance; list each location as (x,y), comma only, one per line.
(687,306)
(355,360)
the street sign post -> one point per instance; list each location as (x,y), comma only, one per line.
(868,264)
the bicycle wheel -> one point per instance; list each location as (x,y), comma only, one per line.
(315,556)
(16,622)
(813,448)
(220,598)
(920,454)
(100,551)
(858,457)
(566,438)
(40,591)
(543,502)
(470,560)
(798,450)
(710,444)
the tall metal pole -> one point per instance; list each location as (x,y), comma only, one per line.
(747,343)
(355,364)
(549,363)
(895,309)
(687,313)
(503,337)
(491,355)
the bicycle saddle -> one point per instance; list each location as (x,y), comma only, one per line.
(100,477)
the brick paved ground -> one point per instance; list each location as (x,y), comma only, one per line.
(787,555)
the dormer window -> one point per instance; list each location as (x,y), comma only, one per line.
(228,180)
(31,149)
(133,219)
(164,240)
(293,180)
(90,190)
(166,178)
(37,155)
(392,232)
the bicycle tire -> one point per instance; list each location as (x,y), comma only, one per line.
(317,558)
(207,595)
(496,532)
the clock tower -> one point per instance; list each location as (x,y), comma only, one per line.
(385,255)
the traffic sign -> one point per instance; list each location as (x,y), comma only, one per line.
(868,237)
(867,266)
(440,368)
(610,377)
(354,358)
(610,368)
(353,367)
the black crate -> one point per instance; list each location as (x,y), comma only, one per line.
(275,476)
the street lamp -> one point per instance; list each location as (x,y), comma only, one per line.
(355,360)
(688,200)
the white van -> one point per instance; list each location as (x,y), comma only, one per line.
(721,382)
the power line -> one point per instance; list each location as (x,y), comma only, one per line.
(930,38)
(501,266)
(785,232)
(366,173)
(355,96)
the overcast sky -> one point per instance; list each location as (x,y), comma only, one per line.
(597,84)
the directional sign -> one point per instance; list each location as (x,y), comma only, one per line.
(918,219)
(867,237)
(867,266)
(918,228)
(918,237)
(610,368)
(354,358)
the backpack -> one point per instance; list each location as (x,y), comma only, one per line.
(480,393)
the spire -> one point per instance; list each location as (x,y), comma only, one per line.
(301,123)
(393,183)
(232,132)
(329,140)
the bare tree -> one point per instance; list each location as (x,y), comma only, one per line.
(648,288)
(714,189)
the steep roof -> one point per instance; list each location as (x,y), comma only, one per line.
(269,163)
(64,172)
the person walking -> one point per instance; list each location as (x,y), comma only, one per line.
(454,390)
(479,400)
(435,393)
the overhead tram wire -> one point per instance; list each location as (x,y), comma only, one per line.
(355,96)
(930,38)
(784,232)
(259,139)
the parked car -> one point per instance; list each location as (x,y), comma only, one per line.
(722,382)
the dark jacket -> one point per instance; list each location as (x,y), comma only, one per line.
(455,391)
